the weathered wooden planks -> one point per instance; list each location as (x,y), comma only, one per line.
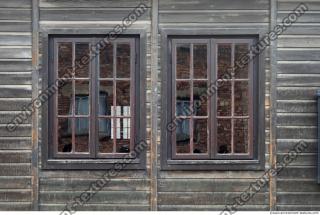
(217,16)
(15,143)
(98,207)
(92,3)
(16,14)
(15,183)
(304,67)
(110,197)
(305,198)
(295,185)
(204,185)
(215,5)
(296,93)
(299,54)
(86,14)
(206,198)
(210,207)
(296,119)
(77,184)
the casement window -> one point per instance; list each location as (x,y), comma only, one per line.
(93,118)
(211,103)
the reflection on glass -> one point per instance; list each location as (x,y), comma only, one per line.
(183,61)
(106,62)
(200,98)
(224,59)
(241,98)
(82,97)
(183,136)
(64,59)
(64,135)
(240,51)
(123,97)
(123,60)
(200,136)
(82,50)
(81,134)
(200,61)
(65,98)
(224,99)
(123,135)
(105,133)
(183,98)
(224,136)
(106,98)
(241,135)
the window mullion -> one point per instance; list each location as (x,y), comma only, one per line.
(93,102)
(232,98)
(114,119)
(212,56)
(73,127)
(191,98)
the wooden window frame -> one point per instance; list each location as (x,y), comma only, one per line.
(50,160)
(169,161)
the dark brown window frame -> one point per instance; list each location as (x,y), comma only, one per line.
(49,159)
(171,162)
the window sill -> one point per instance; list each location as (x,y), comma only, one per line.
(213,165)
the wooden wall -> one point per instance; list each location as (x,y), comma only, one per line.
(296,74)
(298,78)
(15,92)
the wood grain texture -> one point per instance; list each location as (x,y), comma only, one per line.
(92,3)
(214,5)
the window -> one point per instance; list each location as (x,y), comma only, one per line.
(92,117)
(211,103)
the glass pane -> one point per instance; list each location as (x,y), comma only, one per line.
(200,98)
(65,98)
(82,50)
(123,98)
(82,134)
(183,136)
(241,98)
(200,136)
(240,51)
(106,98)
(64,59)
(224,99)
(105,136)
(123,135)
(123,60)
(82,97)
(224,58)
(106,62)
(224,136)
(183,61)
(241,135)
(183,98)
(200,61)
(64,134)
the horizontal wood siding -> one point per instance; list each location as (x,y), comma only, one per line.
(297,76)
(212,190)
(298,79)
(15,92)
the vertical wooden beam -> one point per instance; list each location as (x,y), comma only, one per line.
(154,106)
(273,106)
(35,93)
